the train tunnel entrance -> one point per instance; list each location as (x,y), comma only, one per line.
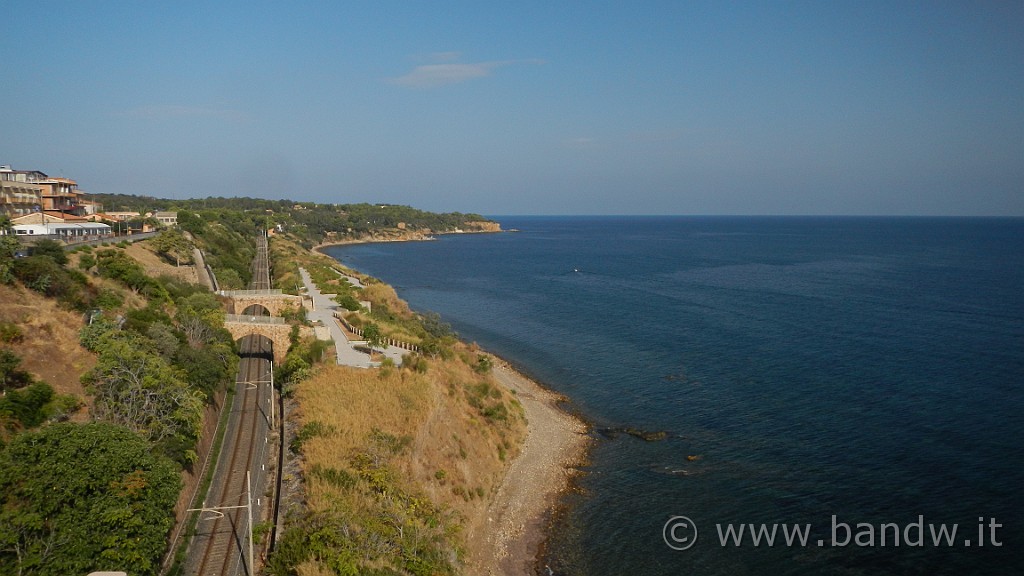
(255,346)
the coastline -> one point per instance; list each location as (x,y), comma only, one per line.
(505,538)
(422,236)
(505,535)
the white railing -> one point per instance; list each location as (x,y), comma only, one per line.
(388,341)
(244,319)
(233,293)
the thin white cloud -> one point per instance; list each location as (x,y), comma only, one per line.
(656,136)
(174,111)
(434,75)
(443,56)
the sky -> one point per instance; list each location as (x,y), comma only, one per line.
(550,107)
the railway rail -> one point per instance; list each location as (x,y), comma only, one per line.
(221,545)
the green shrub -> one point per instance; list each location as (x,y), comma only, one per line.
(26,406)
(108,299)
(10,375)
(415,362)
(11,333)
(51,249)
(483,364)
(46,276)
(118,265)
(86,261)
(348,302)
(309,431)
(91,335)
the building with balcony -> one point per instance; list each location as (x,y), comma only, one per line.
(62,195)
(19,198)
(54,194)
(19,195)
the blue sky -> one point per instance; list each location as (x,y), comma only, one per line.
(527,107)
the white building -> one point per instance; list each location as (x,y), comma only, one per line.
(166,218)
(50,224)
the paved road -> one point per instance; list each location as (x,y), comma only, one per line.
(323,310)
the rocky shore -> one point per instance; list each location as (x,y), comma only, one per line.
(504,539)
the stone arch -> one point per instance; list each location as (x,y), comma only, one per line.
(256,310)
(275,303)
(277,333)
(255,345)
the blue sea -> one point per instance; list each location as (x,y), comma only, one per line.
(851,377)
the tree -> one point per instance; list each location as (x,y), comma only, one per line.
(172,244)
(373,336)
(200,316)
(164,339)
(77,498)
(24,408)
(136,388)
(8,248)
(210,368)
(10,375)
(228,279)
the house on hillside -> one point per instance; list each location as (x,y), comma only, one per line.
(123,216)
(166,218)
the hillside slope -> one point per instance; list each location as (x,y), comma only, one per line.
(49,349)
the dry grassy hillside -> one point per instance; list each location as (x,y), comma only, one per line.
(156,266)
(50,349)
(393,461)
(420,451)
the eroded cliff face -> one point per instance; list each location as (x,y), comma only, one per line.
(483,226)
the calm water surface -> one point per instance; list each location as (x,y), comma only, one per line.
(870,369)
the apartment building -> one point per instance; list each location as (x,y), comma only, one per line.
(18,194)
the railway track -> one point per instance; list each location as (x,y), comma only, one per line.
(261,266)
(221,544)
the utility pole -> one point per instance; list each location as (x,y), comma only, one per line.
(248,507)
(248,483)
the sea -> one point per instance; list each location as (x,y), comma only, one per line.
(853,383)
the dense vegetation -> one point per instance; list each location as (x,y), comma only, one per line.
(77,498)
(309,222)
(156,371)
(162,353)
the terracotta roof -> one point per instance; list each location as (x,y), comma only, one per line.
(65,216)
